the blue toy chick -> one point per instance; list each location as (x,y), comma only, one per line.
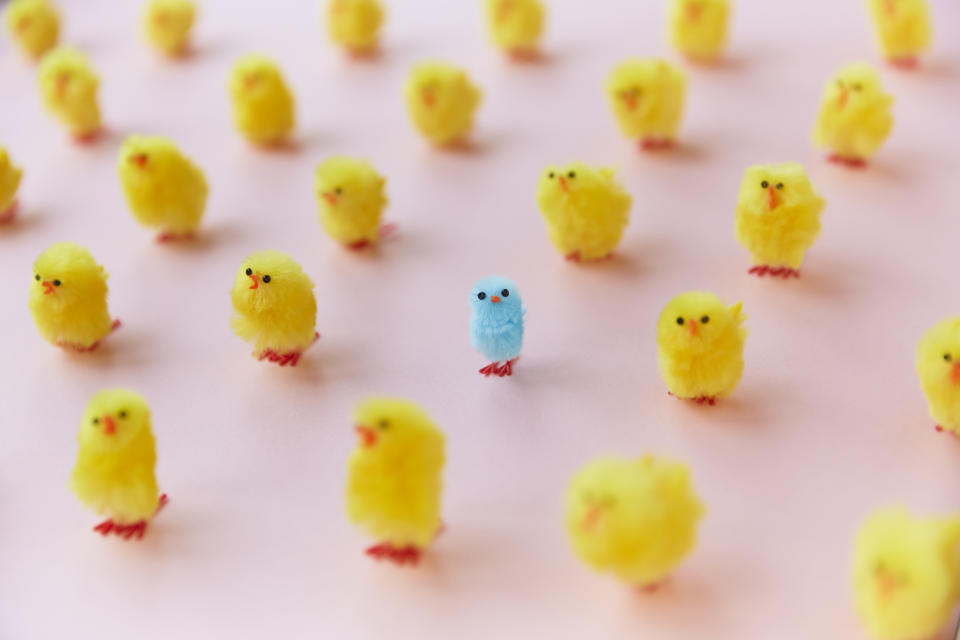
(496,323)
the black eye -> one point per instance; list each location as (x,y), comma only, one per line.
(840,83)
(947,357)
(37,277)
(857,87)
(679,320)
(338,191)
(96,421)
(780,185)
(481,296)
(249,271)
(704,319)
(383,424)
(505,293)
(764,184)
(56,283)
(571,174)
(266,279)
(122,414)
(551,175)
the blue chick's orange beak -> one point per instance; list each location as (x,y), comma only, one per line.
(494,299)
(256,281)
(109,426)
(773,197)
(139,159)
(955,374)
(368,437)
(47,287)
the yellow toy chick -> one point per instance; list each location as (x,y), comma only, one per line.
(903,29)
(516,26)
(9,183)
(585,208)
(441,101)
(114,473)
(906,574)
(854,118)
(938,366)
(351,198)
(700,347)
(163,188)
(394,483)
(262,103)
(68,86)
(274,307)
(698,28)
(355,25)
(68,298)
(33,24)
(636,519)
(167,25)
(778,217)
(646,97)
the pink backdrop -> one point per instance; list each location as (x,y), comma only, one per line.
(828,423)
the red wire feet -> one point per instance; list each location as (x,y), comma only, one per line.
(128,531)
(165,237)
(77,348)
(710,400)
(909,62)
(942,430)
(652,587)
(497,369)
(847,161)
(290,358)
(778,272)
(10,214)
(397,555)
(655,144)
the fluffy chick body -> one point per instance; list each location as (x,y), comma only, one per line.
(496,321)
(263,106)
(636,519)
(902,27)
(68,87)
(167,25)
(854,118)
(515,25)
(33,24)
(9,183)
(351,199)
(355,24)
(647,98)
(698,28)
(938,367)
(441,101)
(906,574)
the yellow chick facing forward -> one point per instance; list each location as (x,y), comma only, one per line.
(636,519)
(647,97)
(515,26)
(114,473)
(698,28)
(700,347)
(395,482)
(585,209)
(355,25)
(903,29)
(68,86)
(167,24)
(9,183)
(938,366)
(906,574)
(68,298)
(262,103)
(274,307)
(854,118)
(350,194)
(163,188)
(33,24)
(441,102)
(778,217)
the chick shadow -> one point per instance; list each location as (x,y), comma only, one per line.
(824,278)
(210,236)
(25,220)
(125,345)
(937,67)
(729,62)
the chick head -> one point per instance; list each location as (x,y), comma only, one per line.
(169,20)
(354,22)
(36,24)
(515,21)
(938,354)
(254,77)
(112,419)
(496,297)
(557,185)
(146,159)
(66,76)
(269,280)
(897,11)
(439,88)
(385,425)
(633,86)
(767,187)
(696,321)
(701,11)
(65,274)
(854,89)
(346,183)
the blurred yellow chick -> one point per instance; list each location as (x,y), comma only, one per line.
(33,24)
(778,217)
(351,198)
(698,28)
(394,483)
(585,208)
(163,188)
(9,183)
(854,118)
(646,97)
(700,346)
(274,307)
(441,101)
(68,86)
(516,25)
(262,103)
(906,574)
(167,25)
(355,24)
(636,519)
(903,28)
(938,366)
(114,473)
(68,298)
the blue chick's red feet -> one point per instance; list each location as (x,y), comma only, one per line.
(127,531)
(761,270)
(397,555)
(10,214)
(290,358)
(496,369)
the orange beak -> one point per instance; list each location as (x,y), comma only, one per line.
(330,198)
(160,17)
(693,11)
(62,82)
(256,282)
(139,159)
(494,298)
(955,373)
(109,426)
(249,81)
(890,6)
(590,520)
(503,10)
(47,287)
(368,437)
(886,584)
(773,198)
(842,100)
(563,184)
(693,328)
(23,23)
(631,101)
(429,97)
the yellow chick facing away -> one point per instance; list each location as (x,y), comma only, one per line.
(114,472)
(441,102)
(778,217)
(9,183)
(938,367)
(698,28)
(274,307)
(647,98)
(903,29)
(163,188)
(350,194)
(68,298)
(906,574)
(395,480)
(700,347)
(585,210)
(263,107)
(516,26)
(33,24)
(167,24)
(636,519)
(355,24)
(854,118)
(68,87)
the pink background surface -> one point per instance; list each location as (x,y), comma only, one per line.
(828,423)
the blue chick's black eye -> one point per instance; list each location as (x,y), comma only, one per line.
(780,185)
(266,278)
(572,174)
(249,271)
(505,293)
(56,283)
(679,320)
(704,319)
(947,357)
(764,184)
(481,296)
(37,277)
